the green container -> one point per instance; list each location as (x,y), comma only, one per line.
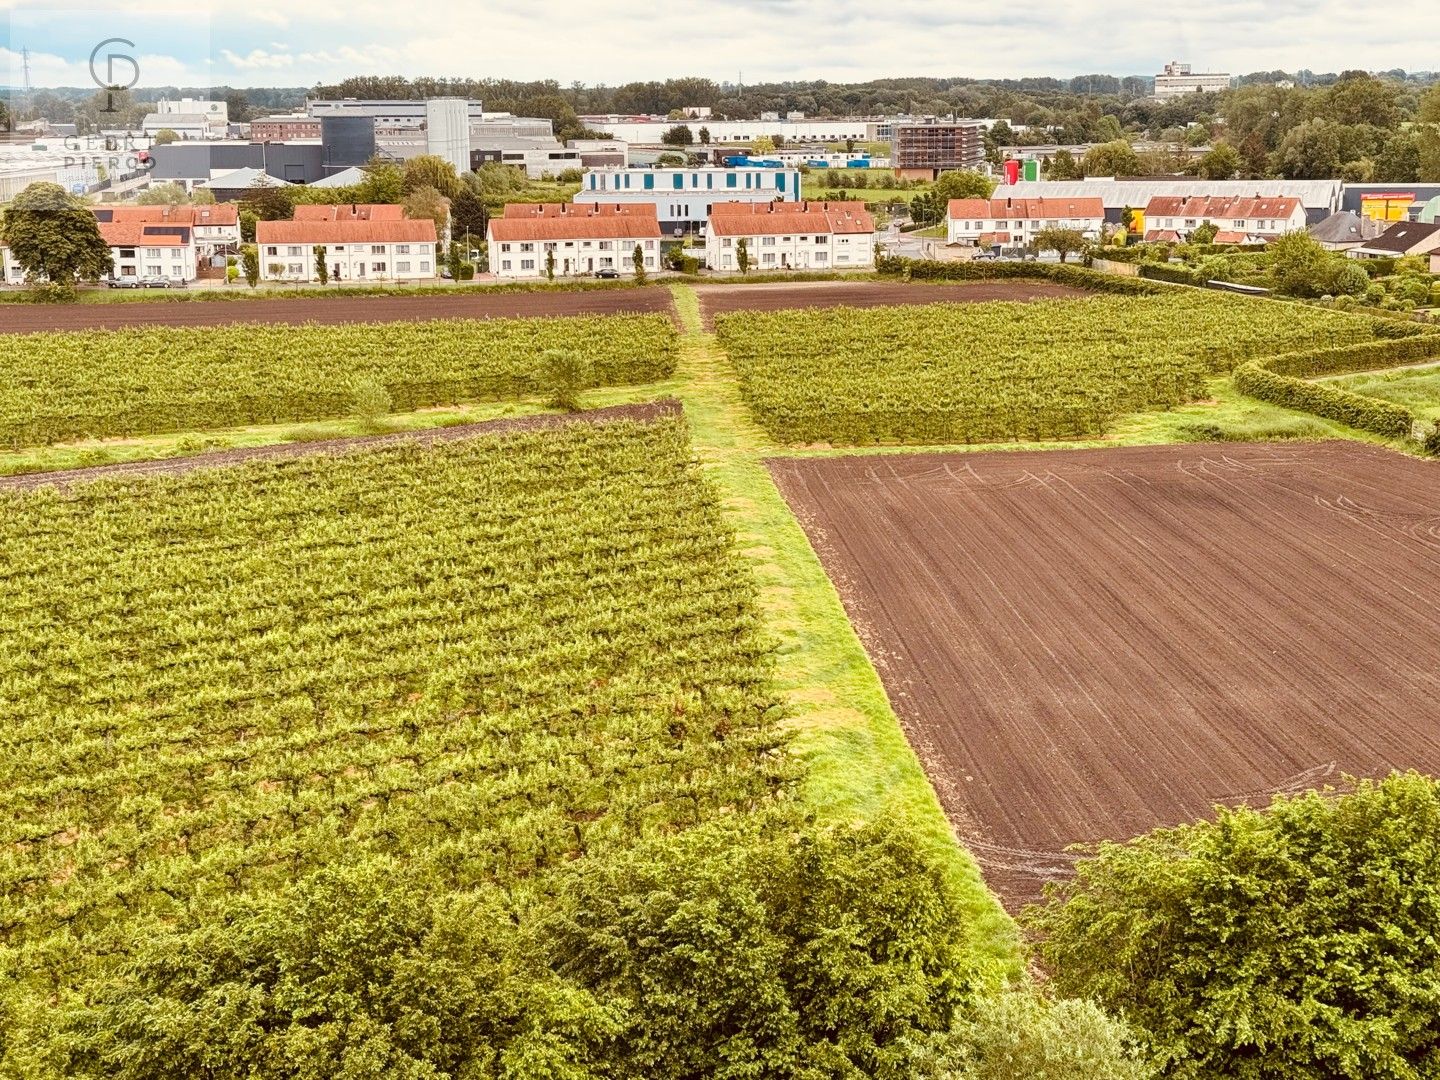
(1032,170)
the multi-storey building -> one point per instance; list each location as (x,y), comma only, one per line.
(215,229)
(357,249)
(148,250)
(790,236)
(1178,79)
(1242,220)
(536,240)
(282,128)
(682,198)
(1014,222)
(924,151)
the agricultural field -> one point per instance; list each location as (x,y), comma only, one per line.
(1087,644)
(999,372)
(482,658)
(62,386)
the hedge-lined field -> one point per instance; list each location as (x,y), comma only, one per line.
(492,655)
(60,386)
(965,373)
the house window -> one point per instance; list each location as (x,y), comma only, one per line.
(377,249)
(527,264)
(822,256)
(726,242)
(339,249)
(402,267)
(768,258)
(152,253)
(293,249)
(504,264)
(402,249)
(649,245)
(152,271)
(424,267)
(819,239)
(606,245)
(504,247)
(296,270)
(527,247)
(377,268)
(767,241)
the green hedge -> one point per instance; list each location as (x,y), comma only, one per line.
(1075,276)
(1386,351)
(1176,275)
(1366,413)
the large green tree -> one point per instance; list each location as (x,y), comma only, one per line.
(468,214)
(54,237)
(1117,158)
(429,171)
(1300,942)
(1221,162)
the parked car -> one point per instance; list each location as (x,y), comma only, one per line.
(153,282)
(123,283)
(607,273)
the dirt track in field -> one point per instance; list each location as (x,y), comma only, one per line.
(722,299)
(174,466)
(31,318)
(1084,645)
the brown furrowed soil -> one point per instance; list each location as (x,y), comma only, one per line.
(1085,645)
(644,413)
(328,311)
(721,299)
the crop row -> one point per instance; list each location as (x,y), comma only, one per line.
(967,373)
(492,654)
(146,381)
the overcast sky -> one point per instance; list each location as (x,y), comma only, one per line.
(301,42)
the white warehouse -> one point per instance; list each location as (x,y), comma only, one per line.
(683,197)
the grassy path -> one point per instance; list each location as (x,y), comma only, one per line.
(860,768)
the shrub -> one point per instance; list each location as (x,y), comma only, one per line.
(1298,942)
(561,376)
(370,401)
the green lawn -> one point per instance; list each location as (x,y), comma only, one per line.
(1416,388)
(815,186)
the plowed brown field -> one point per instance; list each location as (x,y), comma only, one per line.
(1087,644)
(720,299)
(332,310)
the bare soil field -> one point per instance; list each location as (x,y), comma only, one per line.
(1084,645)
(644,413)
(31,318)
(720,299)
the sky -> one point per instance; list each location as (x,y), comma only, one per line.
(302,42)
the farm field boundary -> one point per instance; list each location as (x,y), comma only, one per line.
(642,413)
(336,309)
(723,299)
(1045,694)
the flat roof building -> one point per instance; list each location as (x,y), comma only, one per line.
(924,151)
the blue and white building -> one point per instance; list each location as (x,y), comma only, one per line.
(683,197)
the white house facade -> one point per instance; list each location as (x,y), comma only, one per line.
(682,198)
(355,250)
(1014,222)
(150,251)
(1239,220)
(214,229)
(790,236)
(582,239)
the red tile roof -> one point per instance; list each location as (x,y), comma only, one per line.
(348,231)
(349,212)
(1024,209)
(1209,206)
(530,222)
(772,219)
(127,234)
(219,214)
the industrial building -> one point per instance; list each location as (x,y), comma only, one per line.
(924,151)
(1178,79)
